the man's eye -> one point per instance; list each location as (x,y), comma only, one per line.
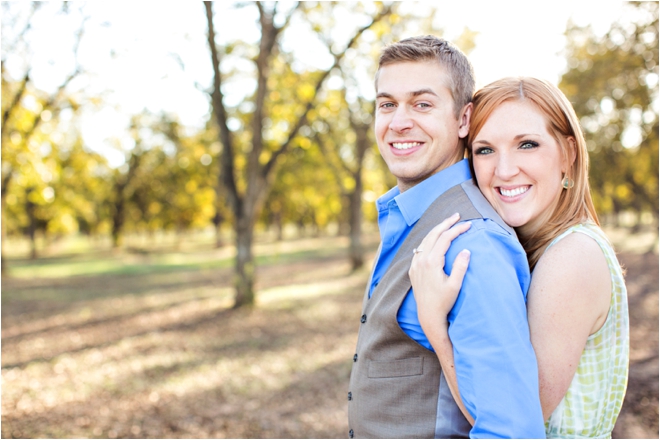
(387,105)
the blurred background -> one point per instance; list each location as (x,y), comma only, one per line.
(188,189)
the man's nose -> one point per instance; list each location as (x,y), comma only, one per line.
(401,120)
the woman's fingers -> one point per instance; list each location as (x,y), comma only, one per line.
(429,241)
(445,239)
(458,269)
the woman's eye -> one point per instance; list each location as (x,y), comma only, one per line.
(529,145)
(483,150)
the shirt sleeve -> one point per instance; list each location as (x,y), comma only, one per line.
(495,363)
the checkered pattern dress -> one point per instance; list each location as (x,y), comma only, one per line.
(593,401)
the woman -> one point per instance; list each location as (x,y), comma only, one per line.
(530,161)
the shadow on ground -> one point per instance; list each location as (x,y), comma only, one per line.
(162,355)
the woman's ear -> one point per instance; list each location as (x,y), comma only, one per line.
(571,153)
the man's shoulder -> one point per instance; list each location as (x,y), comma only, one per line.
(467,200)
(484,208)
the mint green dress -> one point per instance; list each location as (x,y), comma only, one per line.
(593,400)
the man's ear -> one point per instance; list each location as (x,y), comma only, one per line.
(571,153)
(464,120)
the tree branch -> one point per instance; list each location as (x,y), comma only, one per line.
(336,169)
(14,103)
(227,155)
(303,117)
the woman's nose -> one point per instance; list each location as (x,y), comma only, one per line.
(507,167)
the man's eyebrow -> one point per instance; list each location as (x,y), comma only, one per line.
(422,92)
(413,93)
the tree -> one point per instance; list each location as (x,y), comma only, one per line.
(24,110)
(345,146)
(612,82)
(259,159)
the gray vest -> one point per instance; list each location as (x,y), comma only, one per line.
(397,388)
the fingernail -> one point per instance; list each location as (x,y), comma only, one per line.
(466,253)
(455,215)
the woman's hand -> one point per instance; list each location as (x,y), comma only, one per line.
(435,292)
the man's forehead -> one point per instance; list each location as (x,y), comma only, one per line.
(412,78)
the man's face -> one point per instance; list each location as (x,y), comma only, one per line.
(416,128)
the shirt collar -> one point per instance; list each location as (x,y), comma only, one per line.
(416,200)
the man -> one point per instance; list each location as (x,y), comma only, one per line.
(424,86)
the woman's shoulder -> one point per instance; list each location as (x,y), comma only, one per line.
(575,251)
(576,269)
(576,260)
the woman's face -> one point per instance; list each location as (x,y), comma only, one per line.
(518,165)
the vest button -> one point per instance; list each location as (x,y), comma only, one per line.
(355,358)
(350,434)
(350,396)
(363,319)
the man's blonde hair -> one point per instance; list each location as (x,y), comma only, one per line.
(430,48)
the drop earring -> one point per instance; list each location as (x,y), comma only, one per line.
(567,182)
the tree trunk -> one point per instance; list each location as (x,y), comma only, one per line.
(245,266)
(3,262)
(217,224)
(32,226)
(118,217)
(279,227)
(356,251)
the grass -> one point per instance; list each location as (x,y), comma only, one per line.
(144,344)
(125,345)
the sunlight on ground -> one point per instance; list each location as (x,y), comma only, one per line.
(160,353)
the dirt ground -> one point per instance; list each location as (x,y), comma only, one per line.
(639,415)
(159,354)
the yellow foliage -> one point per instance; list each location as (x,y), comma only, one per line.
(306,92)
(623,192)
(191,186)
(154,208)
(348,183)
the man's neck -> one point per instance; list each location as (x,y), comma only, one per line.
(405,185)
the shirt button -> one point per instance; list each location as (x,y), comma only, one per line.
(363,319)
(350,434)
(350,396)
(355,358)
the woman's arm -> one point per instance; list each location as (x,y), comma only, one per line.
(445,352)
(568,300)
(435,294)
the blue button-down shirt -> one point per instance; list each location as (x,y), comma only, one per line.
(495,363)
